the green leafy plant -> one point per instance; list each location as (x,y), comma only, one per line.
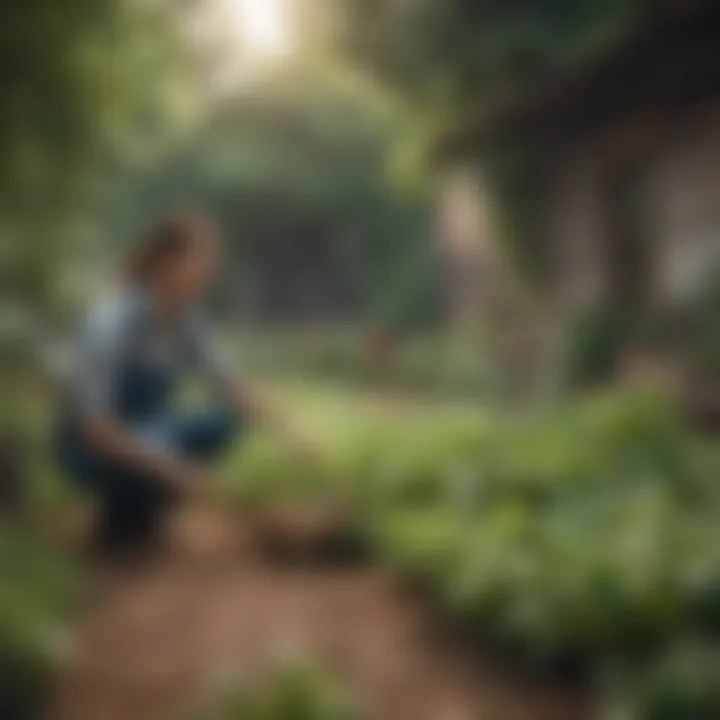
(297,692)
(585,534)
(38,588)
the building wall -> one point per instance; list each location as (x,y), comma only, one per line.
(676,195)
(684,199)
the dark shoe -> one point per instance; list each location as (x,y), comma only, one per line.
(129,529)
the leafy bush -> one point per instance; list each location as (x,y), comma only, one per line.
(595,345)
(586,533)
(682,685)
(298,692)
(37,588)
(590,533)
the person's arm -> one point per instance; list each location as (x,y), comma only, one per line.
(246,400)
(112,439)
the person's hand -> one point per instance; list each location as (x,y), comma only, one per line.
(182,477)
(250,401)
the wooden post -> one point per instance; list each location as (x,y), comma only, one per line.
(13,477)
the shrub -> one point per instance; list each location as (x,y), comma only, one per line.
(37,589)
(297,692)
(596,343)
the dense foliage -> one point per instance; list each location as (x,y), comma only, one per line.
(595,346)
(585,539)
(74,92)
(38,588)
(469,55)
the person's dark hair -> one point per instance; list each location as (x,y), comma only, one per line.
(171,238)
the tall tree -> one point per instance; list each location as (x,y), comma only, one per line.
(74,76)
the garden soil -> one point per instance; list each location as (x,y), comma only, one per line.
(157,635)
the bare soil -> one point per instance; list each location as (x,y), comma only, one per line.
(155,635)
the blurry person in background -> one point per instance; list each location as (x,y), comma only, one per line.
(121,436)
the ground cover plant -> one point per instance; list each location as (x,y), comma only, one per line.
(581,539)
(298,691)
(38,589)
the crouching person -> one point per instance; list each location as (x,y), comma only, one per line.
(121,435)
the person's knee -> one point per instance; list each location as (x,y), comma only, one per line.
(223,427)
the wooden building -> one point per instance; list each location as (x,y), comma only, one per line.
(631,137)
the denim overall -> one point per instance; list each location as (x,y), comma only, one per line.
(132,504)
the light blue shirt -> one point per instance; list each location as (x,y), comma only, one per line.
(127,329)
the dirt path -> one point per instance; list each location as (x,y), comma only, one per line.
(154,636)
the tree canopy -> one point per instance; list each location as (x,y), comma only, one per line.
(77,78)
(467,54)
